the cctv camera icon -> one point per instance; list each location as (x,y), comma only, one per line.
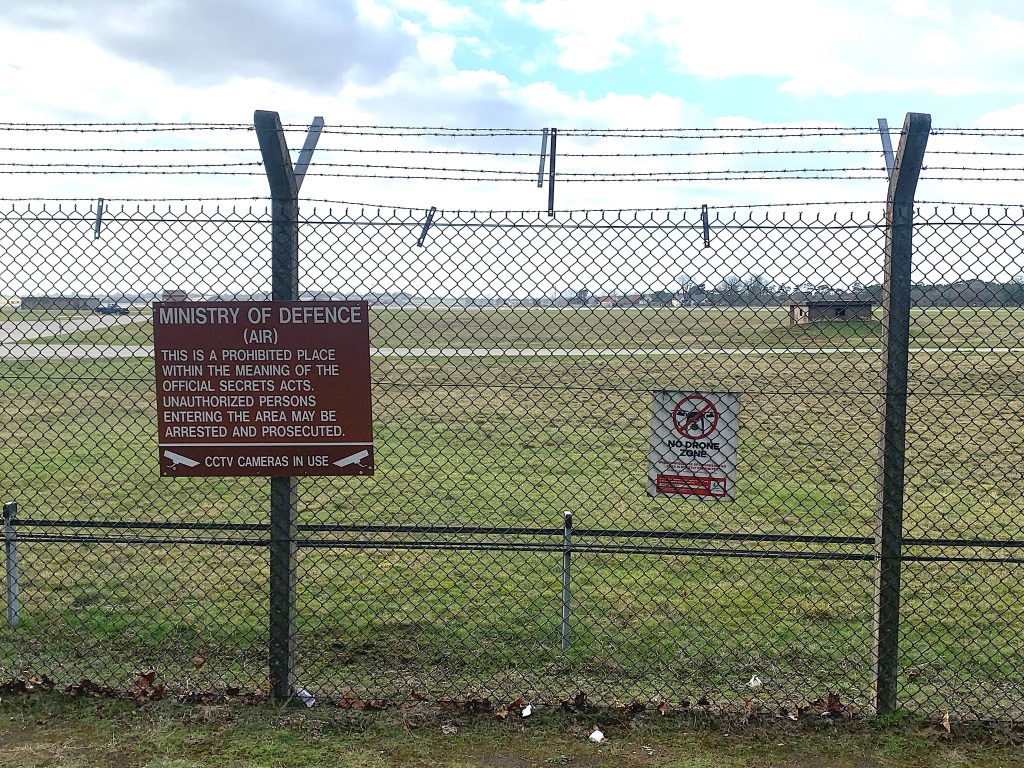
(177,460)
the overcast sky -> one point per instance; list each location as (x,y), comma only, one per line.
(514,63)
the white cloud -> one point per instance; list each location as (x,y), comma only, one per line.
(831,47)
(315,44)
(437,13)
(589,35)
(91,81)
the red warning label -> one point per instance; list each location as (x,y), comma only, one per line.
(687,485)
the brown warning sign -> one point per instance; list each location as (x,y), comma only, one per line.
(263,388)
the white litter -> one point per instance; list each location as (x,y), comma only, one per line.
(528,710)
(755,683)
(597,737)
(305,697)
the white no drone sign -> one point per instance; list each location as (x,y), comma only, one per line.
(694,439)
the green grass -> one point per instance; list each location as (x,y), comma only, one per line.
(54,730)
(516,441)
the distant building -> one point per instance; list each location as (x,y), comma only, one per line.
(173,294)
(662,299)
(628,300)
(59,303)
(803,311)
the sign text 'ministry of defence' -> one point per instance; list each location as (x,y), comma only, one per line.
(263,388)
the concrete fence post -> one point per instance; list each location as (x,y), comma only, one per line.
(566,578)
(284,181)
(12,591)
(899,217)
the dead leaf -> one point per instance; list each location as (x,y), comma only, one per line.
(448,729)
(478,704)
(145,688)
(835,707)
(946,723)
(349,701)
(198,661)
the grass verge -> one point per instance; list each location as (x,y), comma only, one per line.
(56,730)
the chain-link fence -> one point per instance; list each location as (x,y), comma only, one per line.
(514,357)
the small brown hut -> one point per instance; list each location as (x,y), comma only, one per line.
(804,310)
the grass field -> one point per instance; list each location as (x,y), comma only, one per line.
(514,441)
(67,733)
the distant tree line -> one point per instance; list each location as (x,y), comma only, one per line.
(962,293)
(756,290)
(750,290)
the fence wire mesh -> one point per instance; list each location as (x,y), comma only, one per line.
(514,357)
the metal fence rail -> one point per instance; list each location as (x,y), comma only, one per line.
(514,356)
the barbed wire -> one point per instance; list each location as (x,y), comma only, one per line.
(127,170)
(224,160)
(497,153)
(991,132)
(140,149)
(129,165)
(492,153)
(939,173)
(316,168)
(387,130)
(566,175)
(467,175)
(114,200)
(122,127)
(416,130)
